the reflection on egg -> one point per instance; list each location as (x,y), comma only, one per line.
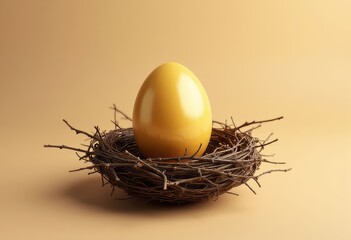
(172,114)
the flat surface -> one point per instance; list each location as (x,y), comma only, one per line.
(256,59)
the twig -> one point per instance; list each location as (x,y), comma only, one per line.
(274,170)
(119,111)
(65,147)
(77,130)
(272,162)
(265,144)
(258,122)
(247,185)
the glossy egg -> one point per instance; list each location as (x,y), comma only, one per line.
(172,114)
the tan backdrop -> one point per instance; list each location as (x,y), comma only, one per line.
(257,60)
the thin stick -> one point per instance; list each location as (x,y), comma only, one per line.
(265,144)
(274,170)
(257,122)
(250,188)
(65,147)
(119,111)
(77,130)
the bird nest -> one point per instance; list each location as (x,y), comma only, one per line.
(231,159)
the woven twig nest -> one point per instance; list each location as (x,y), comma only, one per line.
(231,159)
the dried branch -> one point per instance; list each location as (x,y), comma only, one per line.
(258,122)
(66,147)
(274,170)
(77,130)
(120,112)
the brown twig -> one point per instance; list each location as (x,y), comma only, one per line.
(120,112)
(77,130)
(65,147)
(258,122)
(274,170)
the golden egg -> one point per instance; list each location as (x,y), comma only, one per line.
(172,114)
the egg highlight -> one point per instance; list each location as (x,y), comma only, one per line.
(172,114)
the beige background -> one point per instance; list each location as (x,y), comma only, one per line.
(257,60)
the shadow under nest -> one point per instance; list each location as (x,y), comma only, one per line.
(232,157)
